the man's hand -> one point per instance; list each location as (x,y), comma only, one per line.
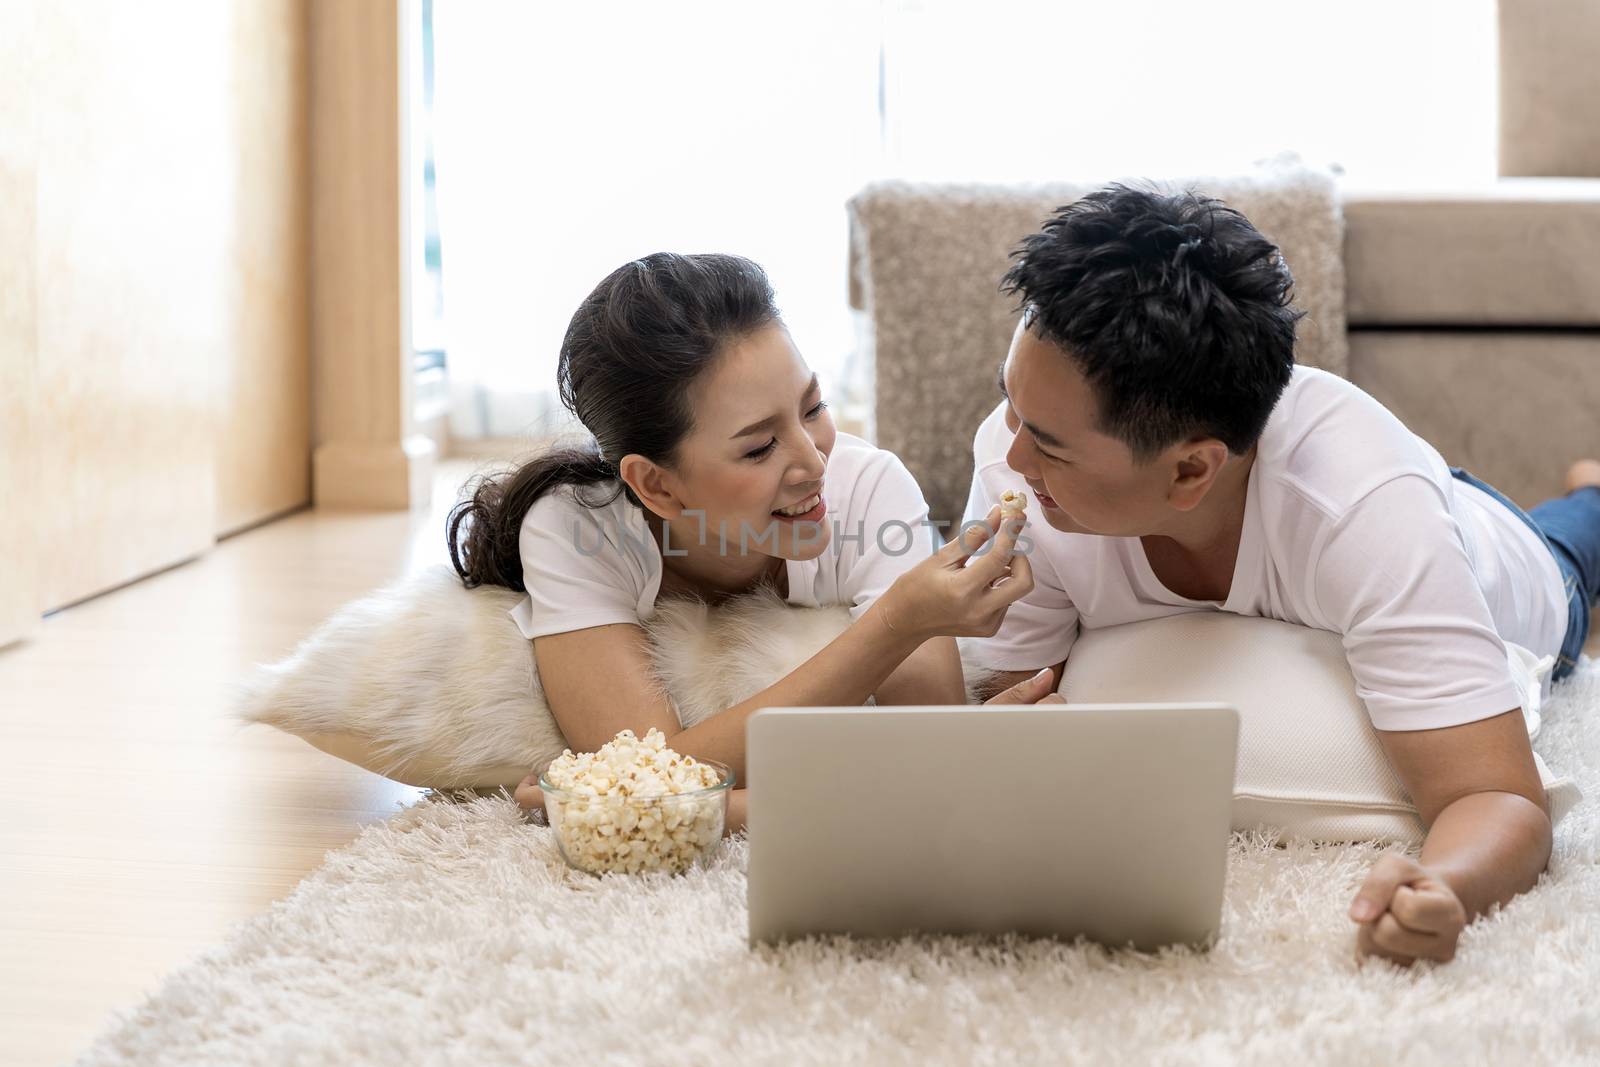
(1034,690)
(1478,792)
(1406,913)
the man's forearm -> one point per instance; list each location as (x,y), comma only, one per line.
(1488,847)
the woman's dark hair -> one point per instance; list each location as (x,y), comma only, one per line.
(633,348)
(1173,307)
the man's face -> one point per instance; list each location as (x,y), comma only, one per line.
(1086,482)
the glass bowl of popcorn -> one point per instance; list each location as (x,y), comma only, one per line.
(636,806)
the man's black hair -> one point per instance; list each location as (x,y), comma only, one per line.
(1174,308)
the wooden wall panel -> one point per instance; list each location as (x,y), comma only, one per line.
(19,498)
(134,193)
(264,444)
(19,557)
(155,292)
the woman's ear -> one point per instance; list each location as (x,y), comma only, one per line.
(650,483)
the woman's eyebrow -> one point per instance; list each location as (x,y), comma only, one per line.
(770,419)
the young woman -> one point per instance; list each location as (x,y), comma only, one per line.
(715,467)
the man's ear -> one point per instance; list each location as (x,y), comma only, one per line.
(1199,463)
(651,484)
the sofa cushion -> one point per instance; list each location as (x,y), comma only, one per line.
(1513,408)
(1517,252)
(1548,84)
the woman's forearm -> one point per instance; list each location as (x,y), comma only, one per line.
(846,672)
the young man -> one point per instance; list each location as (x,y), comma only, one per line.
(1184,463)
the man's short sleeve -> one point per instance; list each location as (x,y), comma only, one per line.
(582,567)
(1395,579)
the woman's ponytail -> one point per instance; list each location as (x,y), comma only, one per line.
(483,531)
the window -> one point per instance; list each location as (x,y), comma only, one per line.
(431,395)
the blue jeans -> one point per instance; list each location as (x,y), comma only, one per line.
(1570,528)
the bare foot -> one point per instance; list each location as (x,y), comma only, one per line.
(1585,472)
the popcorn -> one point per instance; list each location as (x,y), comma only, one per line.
(622,808)
(1013,505)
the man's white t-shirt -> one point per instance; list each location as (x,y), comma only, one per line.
(1352,524)
(585,567)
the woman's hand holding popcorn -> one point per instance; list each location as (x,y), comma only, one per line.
(964,589)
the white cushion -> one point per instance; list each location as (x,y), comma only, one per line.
(1310,762)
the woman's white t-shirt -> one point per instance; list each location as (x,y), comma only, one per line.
(585,567)
(1352,524)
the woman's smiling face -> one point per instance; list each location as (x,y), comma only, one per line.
(760,445)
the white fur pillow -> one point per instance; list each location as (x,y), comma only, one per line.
(1309,761)
(432,684)
(423,681)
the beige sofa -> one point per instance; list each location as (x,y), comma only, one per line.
(1474,315)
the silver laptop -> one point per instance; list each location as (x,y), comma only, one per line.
(1108,821)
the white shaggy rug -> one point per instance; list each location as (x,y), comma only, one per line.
(453,934)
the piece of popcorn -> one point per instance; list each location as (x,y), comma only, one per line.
(623,815)
(1013,504)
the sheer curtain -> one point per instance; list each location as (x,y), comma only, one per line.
(570,139)
(574,138)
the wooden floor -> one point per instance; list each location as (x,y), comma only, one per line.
(143,823)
